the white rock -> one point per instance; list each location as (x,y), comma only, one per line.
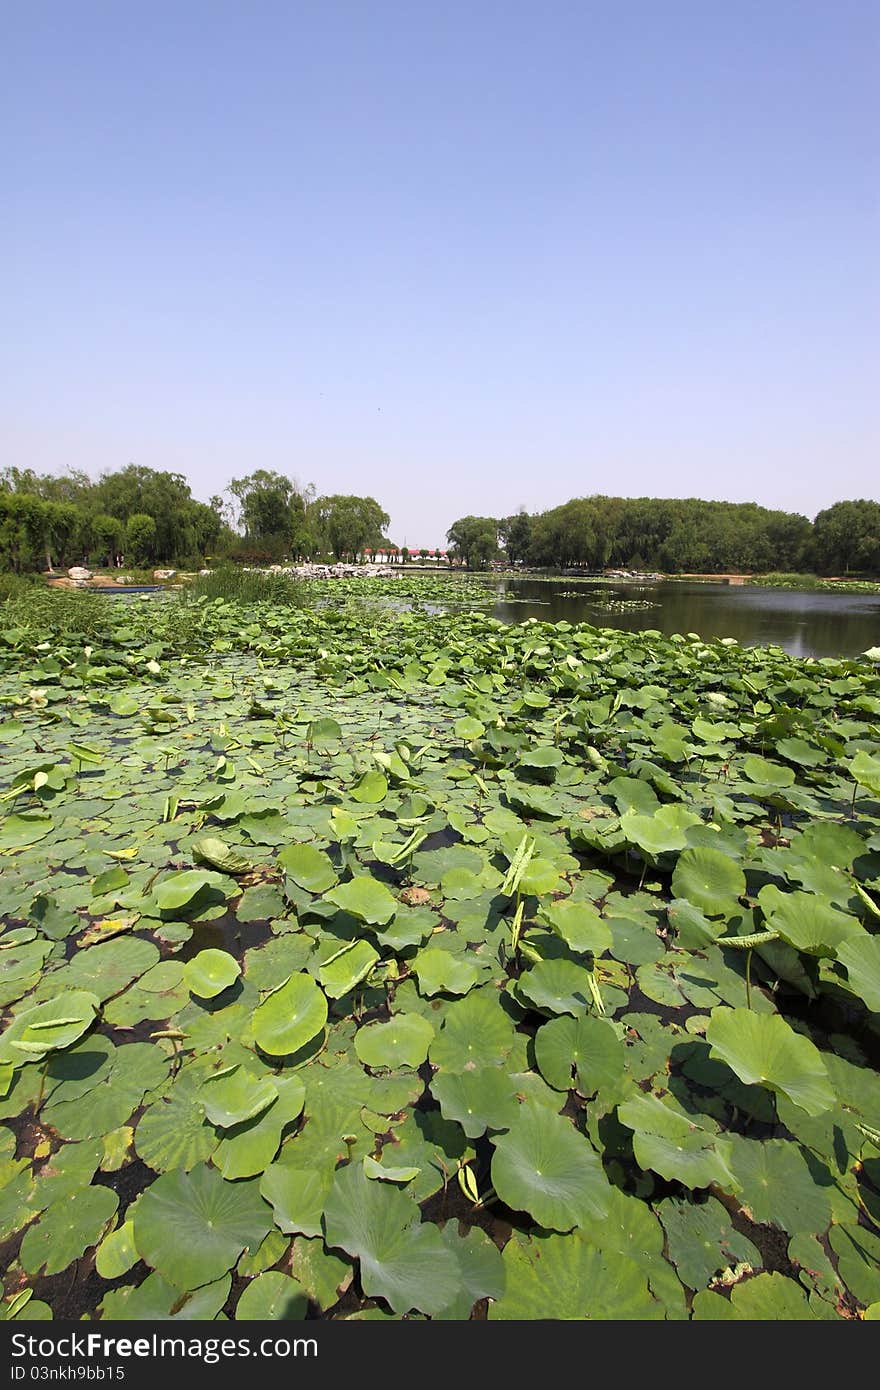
(78,572)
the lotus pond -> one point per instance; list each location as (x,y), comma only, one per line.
(372,964)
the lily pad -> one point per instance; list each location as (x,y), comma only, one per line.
(365,898)
(272,1297)
(211,972)
(290,1016)
(403,1042)
(710,880)
(543,1166)
(192,1227)
(401,1260)
(764,1049)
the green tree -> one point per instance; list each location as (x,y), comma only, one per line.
(140,538)
(846,537)
(515,533)
(475,540)
(351,523)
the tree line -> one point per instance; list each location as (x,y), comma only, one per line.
(139,516)
(676,536)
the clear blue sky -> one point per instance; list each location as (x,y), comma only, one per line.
(464,256)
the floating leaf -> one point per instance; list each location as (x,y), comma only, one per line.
(56,1024)
(297,1196)
(177,890)
(211,972)
(66,1230)
(543,1166)
(365,898)
(236,1095)
(403,1042)
(675,1146)
(308,866)
(272,1297)
(290,1017)
(589,1047)
(209,850)
(479,1100)
(764,1048)
(401,1260)
(441,972)
(347,968)
(710,880)
(192,1227)
(372,788)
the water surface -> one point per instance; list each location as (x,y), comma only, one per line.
(803,623)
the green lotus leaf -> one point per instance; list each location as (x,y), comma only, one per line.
(579,925)
(177,890)
(371,789)
(401,1260)
(860,956)
(47,1027)
(322,1274)
(541,876)
(764,1049)
(157,1299)
(661,832)
(588,1047)
(235,1095)
(323,731)
(402,1042)
(865,768)
(384,1172)
(766,1298)
(778,1187)
(701,1241)
(192,1227)
(24,828)
(272,1297)
(479,1100)
(66,1231)
(248,1148)
(675,1146)
(570,1280)
(105,970)
(308,866)
(806,922)
(767,773)
(290,1017)
(228,860)
(297,1196)
(476,1031)
(347,968)
(365,898)
(797,750)
(555,987)
(132,1071)
(467,728)
(173,1132)
(709,879)
(268,1253)
(210,972)
(440,972)
(117,1254)
(544,756)
(717,732)
(481,1271)
(543,1166)
(858,1260)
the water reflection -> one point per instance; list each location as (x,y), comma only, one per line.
(803,624)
